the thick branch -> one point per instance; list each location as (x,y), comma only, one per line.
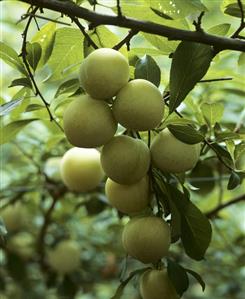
(215,211)
(96,19)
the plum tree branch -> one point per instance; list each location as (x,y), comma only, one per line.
(216,210)
(95,19)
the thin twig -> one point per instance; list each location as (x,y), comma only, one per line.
(215,211)
(215,80)
(25,16)
(126,40)
(86,35)
(25,61)
(198,23)
(242,25)
(119,10)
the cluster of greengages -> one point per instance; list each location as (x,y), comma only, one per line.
(90,121)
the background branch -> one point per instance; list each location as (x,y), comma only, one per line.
(96,19)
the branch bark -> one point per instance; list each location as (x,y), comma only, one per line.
(215,211)
(96,19)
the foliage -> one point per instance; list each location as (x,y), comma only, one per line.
(203,89)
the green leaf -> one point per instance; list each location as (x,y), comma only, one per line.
(239,150)
(223,154)
(67,52)
(161,43)
(6,108)
(241,59)
(234,181)
(234,10)
(196,230)
(69,86)
(190,63)
(45,37)
(34,107)
(178,277)
(197,277)
(146,68)
(212,112)
(221,29)
(8,55)
(186,133)
(34,52)
(26,82)
(238,92)
(9,131)
(3,230)
(161,14)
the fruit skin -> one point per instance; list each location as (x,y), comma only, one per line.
(22,244)
(155,284)
(88,123)
(128,199)
(15,217)
(103,73)
(81,169)
(125,160)
(172,155)
(146,238)
(65,257)
(139,105)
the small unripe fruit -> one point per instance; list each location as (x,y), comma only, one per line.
(22,244)
(172,155)
(15,217)
(81,169)
(128,199)
(125,160)
(155,284)
(52,168)
(88,122)
(139,105)
(103,73)
(65,257)
(146,238)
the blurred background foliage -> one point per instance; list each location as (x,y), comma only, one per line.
(30,180)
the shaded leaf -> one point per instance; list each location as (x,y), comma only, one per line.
(34,52)
(21,82)
(34,107)
(161,14)
(67,51)
(178,277)
(190,63)
(197,277)
(186,133)
(234,10)
(161,43)
(241,59)
(9,131)
(3,230)
(212,112)
(45,37)
(234,181)
(69,86)
(8,55)
(8,107)
(146,68)
(221,29)
(223,154)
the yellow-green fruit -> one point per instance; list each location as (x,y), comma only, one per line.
(146,238)
(103,73)
(125,160)
(139,105)
(52,168)
(88,122)
(65,257)
(15,217)
(128,199)
(155,284)
(81,169)
(22,244)
(172,155)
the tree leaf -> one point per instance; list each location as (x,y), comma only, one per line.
(196,230)
(234,181)
(241,59)
(45,37)
(69,86)
(212,112)
(221,29)
(26,82)
(67,51)
(161,43)
(9,131)
(186,133)
(3,230)
(8,55)
(190,63)
(146,68)
(223,153)
(6,108)
(34,52)
(234,10)
(178,277)
(161,14)
(197,277)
